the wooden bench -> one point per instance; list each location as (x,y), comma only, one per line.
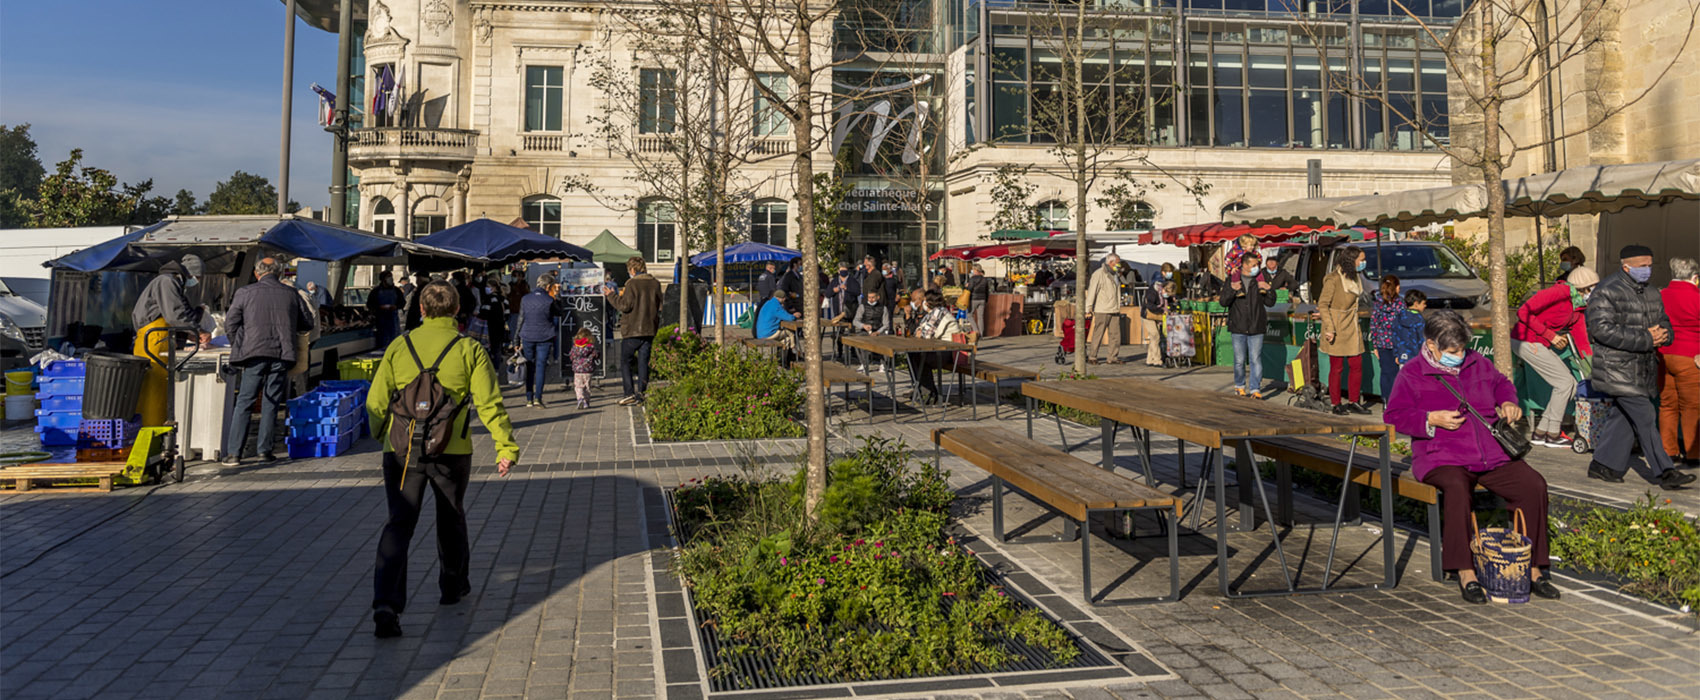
(23,475)
(1328,456)
(1068,486)
(996,374)
(833,373)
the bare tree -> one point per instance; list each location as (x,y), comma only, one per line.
(1500,54)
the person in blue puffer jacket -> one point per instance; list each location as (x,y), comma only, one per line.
(1408,327)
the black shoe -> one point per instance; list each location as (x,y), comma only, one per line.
(1358,408)
(1545,588)
(267,457)
(1601,472)
(230,461)
(388,624)
(540,404)
(1340,409)
(1473,593)
(452,598)
(1672,479)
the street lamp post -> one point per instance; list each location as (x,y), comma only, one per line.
(288,106)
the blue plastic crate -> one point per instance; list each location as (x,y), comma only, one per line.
(59,419)
(321,405)
(60,402)
(65,369)
(345,386)
(353,422)
(110,433)
(63,386)
(57,437)
(325,446)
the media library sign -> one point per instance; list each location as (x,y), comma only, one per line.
(883,199)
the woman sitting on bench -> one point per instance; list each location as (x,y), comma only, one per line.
(937,323)
(1454,452)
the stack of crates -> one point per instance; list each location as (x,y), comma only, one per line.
(60,417)
(327,421)
(106,440)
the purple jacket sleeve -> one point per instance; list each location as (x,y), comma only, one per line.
(1503,390)
(1402,411)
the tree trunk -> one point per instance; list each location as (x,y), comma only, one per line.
(1081,260)
(720,264)
(1493,169)
(804,176)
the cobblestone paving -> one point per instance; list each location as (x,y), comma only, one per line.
(255,582)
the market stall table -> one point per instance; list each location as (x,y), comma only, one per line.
(833,325)
(1216,421)
(892,345)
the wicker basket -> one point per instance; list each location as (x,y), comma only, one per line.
(1502,559)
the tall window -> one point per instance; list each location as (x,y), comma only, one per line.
(767,223)
(544,89)
(383,217)
(656,95)
(543,215)
(656,229)
(769,120)
(1052,216)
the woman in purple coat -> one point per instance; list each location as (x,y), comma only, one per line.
(1454,452)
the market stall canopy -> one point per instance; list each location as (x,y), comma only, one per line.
(608,248)
(1219,232)
(489,243)
(747,252)
(959,252)
(1052,248)
(1014,234)
(1591,189)
(214,236)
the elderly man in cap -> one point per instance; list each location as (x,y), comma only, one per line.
(1626,327)
(164,303)
(263,320)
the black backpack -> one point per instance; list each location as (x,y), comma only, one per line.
(424,408)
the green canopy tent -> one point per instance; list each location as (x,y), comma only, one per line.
(607,248)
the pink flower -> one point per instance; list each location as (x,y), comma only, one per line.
(879,544)
(784,562)
(833,559)
(820,581)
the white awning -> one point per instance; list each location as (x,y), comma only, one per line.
(1587,190)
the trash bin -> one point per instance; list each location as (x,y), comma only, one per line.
(113,384)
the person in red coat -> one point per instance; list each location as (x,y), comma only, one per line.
(1547,325)
(1679,400)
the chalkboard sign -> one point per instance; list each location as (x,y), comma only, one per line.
(584,311)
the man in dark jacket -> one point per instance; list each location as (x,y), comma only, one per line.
(1247,320)
(1626,326)
(842,303)
(468,300)
(792,283)
(979,289)
(539,315)
(384,301)
(262,322)
(639,304)
(164,302)
(766,282)
(1279,278)
(414,318)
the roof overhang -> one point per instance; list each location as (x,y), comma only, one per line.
(322,14)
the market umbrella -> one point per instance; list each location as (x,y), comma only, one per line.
(1015,234)
(493,244)
(1051,248)
(747,252)
(1219,232)
(959,252)
(608,248)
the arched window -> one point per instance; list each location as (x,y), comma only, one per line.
(655,230)
(542,214)
(1141,216)
(1232,207)
(1052,216)
(383,217)
(767,222)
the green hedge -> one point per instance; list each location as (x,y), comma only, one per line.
(725,393)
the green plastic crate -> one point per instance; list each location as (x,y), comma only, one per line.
(358,368)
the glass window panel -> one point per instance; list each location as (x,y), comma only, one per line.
(1009,63)
(1162,70)
(1401,76)
(1096,67)
(543,93)
(656,93)
(1307,72)
(1198,70)
(1131,114)
(1307,118)
(1052,216)
(1339,125)
(1268,35)
(1435,116)
(1268,71)
(1009,112)
(1375,131)
(1418,8)
(767,223)
(1198,118)
(1164,131)
(1229,69)
(1372,74)
(1229,35)
(1434,77)
(1047,66)
(543,215)
(1401,112)
(769,120)
(1050,115)
(1230,115)
(1130,64)
(1268,111)
(1247,5)
(1374,7)
(1447,8)
(1205,4)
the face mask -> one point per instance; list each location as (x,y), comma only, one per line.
(190,282)
(1564,266)
(1362,264)
(1578,298)
(1641,274)
(1450,360)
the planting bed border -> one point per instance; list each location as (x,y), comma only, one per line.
(683,651)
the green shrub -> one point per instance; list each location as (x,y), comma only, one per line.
(674,349)
(1653,549)
(877,588)
(726,393)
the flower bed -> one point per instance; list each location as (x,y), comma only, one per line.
(673,350)
(725,393)
(1653,551)
(876,589)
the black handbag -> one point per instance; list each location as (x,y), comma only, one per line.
(1503,431)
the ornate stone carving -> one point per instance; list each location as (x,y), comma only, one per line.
(481,24)
(438,17)
(383,42)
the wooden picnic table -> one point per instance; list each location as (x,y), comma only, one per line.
(1217,421)
(835,326)
(893,345)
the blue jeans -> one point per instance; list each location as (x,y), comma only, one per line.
(1248,350)
(537,356)
(268,379)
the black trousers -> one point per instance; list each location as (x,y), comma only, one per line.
(634,365)
(448,476)
(1631,419)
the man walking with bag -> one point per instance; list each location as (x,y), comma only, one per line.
(421,405)
(263,320)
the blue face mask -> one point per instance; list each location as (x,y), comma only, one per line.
(1564,266)
(192,282)
(1362,264)
(1641,274)
(1450,360)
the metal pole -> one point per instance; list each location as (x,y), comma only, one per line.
(288,106)
(339,129)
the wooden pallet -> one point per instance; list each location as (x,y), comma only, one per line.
(23,476)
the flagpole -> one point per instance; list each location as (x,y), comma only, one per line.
(288,106)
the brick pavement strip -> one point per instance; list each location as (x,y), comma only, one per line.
(254,582)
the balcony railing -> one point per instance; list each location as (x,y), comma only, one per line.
(543,142)
(412,143)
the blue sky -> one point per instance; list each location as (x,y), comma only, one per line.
(183,91)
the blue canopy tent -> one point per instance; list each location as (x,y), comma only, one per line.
(747,252)
(220,238)
(488,243)
(102,256)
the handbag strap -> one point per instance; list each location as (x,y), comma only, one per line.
(1467,406)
